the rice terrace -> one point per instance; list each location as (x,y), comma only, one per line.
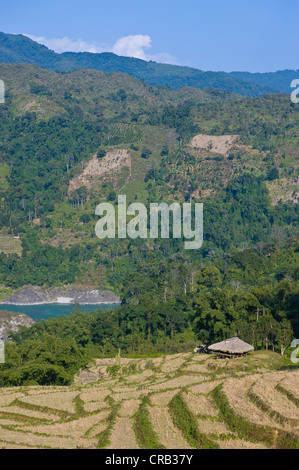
(178,401)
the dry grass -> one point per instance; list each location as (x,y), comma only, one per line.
(236,391)
(205,387)
(206,426)
(173,364)
(123,436)
(41,417)
(162,399)
(129,408)
(11,422)
(169,435)
(36,441)
(9,244)
(9,445)
(197,368)
(94,396)
(174,383)
(94,406)
(28,412)
(7,398)
(72,429)
(60,401)
(290,382)
(96,429)
(199,404)
(264,388)
(140,378)
(196,358)
(128,395)
(239,444)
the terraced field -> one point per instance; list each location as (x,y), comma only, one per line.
(179,401)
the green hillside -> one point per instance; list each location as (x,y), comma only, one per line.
(119,135)
(280,80)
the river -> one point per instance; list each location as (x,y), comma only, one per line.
(45,311)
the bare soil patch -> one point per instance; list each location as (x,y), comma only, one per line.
(113,161)
(214,143)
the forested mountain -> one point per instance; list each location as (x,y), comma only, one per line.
(280,80)
(21,49)
(71,140)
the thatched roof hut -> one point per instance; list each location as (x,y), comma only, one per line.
(232,347)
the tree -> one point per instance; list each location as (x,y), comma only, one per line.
(214,315)
(165,150)
(284,334)
(101,153)
(111,196)
(122,95)
(209,277)
(146,153)
(266,328)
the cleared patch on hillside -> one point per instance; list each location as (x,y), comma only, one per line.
(284,190)
(9,244)
(214,143)
(208,163)
(110,164)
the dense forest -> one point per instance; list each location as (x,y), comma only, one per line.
(242,282)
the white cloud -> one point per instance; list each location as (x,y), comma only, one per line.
(136,46)
(129,46)
(163,58)
(132,46)
(66,44)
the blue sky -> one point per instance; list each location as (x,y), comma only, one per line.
(255,35)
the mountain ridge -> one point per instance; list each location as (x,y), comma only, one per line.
(17,48)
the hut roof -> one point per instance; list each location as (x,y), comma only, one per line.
(232,345)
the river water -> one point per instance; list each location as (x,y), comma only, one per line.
(45,311)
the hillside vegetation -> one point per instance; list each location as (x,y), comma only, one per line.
(71,140)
